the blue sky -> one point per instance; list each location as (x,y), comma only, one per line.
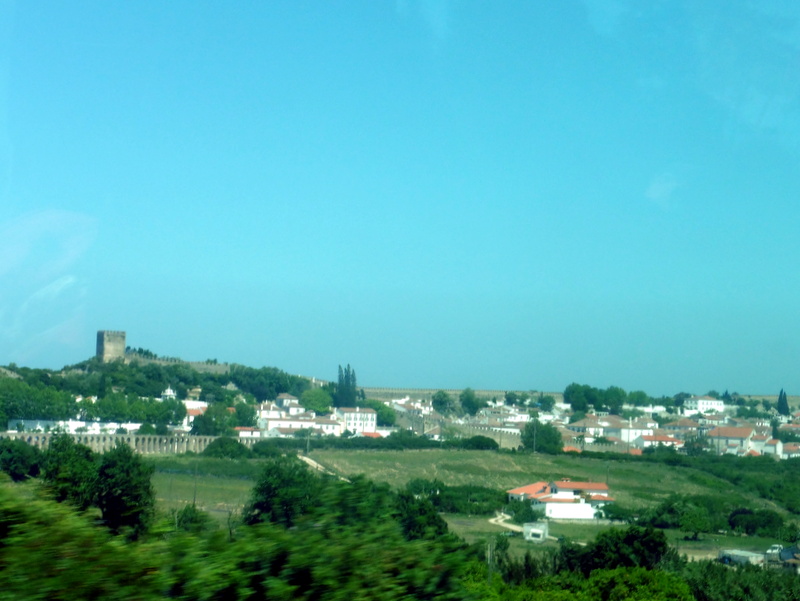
(513,195)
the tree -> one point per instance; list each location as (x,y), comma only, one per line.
(124,493)
(479,443)
(783,403)
(443,403)
(694,520)
(227,448)
(347,388)
(19,460)
(216,421)
(245,415)
(470,403)
(418,517)
(69,471)
(541,438)
(146,429)
(575,396)
(546,402)
(191,519)
(385,415)
(285,491)
(316,400)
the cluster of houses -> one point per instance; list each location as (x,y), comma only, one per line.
(283,417)
(702,418)
(286,417)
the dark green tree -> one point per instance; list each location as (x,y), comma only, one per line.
(546,402)
(347,388)
(478,443)
(694,520)
(123,491)
(470,403)
(418,517)
(317,400)
(541,438)
(576,395)
(69,471)
(19,460)
(191,519)
(783,403)
(227,448)
(286,490)
(216,421)
(443,403)
(386,416)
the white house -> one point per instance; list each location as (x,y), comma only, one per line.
(357,419)
(565,499)
(657,440)
(702,404)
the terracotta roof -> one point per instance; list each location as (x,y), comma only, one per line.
(659,438)
(730,432)
(530,489)
(558,500)
(570,485)
(571,450)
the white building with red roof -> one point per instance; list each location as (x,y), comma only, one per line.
(564,499)
(655,440)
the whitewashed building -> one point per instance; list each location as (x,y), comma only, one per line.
(702,404)
(357,419)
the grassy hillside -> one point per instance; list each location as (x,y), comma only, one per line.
(222,486)
(635,484)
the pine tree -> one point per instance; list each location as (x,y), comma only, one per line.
(783,403)
(347,388)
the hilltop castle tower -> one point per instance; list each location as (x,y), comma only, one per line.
(110,345)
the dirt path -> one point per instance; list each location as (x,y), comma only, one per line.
(500,520)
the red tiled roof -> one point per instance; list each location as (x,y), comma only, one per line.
(530,489)
(730,432)
(558,500)
(659,438)
(570,485)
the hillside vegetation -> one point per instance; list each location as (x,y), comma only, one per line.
(632,483)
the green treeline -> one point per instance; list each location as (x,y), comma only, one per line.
(126,391)
(304,536)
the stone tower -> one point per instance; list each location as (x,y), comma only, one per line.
(110,345)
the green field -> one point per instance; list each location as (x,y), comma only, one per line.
(635,484)
(218,486)
(222,486)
